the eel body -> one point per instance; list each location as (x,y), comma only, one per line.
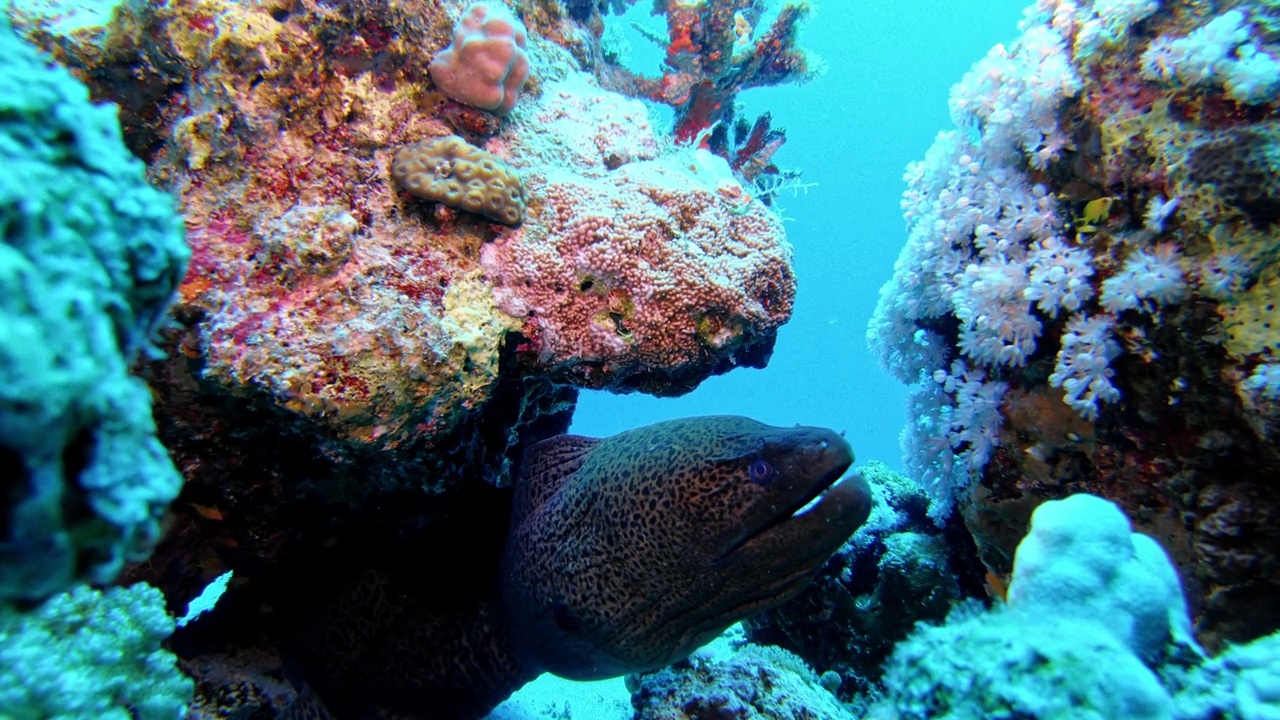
(624,554)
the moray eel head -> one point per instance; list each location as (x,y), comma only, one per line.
(627,553)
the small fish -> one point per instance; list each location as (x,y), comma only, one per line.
(208,512)
(1095,212)
(996,587)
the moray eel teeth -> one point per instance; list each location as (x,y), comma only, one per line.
(840,485)
(809,505)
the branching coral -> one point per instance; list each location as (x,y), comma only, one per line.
(713,52)
(89,654)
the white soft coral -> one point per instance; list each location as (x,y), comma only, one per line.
(997,325)
(1147,279)
(1059,277)
(1222,51)
(1084,369)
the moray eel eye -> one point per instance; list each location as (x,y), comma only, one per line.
(761,471)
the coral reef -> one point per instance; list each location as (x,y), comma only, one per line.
(450,171)
(897,570)
(1084,300)
(1095,627)
(756,682)
(91,654)
(89,261)
(485,66)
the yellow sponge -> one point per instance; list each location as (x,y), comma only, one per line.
(1253,323)
(450,170)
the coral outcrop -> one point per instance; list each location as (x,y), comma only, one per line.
(1085,298)
(90,256)
(486,65)
(636,270)
(322,292)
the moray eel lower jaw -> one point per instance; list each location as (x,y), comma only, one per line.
(819,525)
(777,561)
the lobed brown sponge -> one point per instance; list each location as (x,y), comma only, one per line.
(449,170)
(1242,166)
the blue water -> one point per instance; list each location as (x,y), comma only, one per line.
(851,131)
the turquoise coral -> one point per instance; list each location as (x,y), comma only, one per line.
(91,655)
(1096,627)
(89,261)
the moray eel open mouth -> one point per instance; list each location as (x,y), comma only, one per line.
(843,493)
(830,490)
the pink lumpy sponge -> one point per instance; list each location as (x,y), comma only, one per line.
(486,64)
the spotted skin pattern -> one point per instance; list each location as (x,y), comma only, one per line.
(626,554)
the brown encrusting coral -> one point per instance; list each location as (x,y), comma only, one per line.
(637,270)
(450,171)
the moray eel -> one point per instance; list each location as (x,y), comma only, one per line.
(626,554)
(623,555)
